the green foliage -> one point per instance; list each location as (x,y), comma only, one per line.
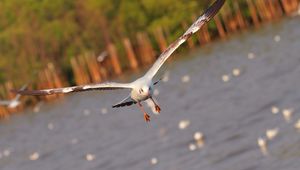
(33,32)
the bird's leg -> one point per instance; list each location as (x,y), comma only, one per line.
(157,108)
(146,116)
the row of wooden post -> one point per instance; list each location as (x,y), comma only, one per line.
(87,69)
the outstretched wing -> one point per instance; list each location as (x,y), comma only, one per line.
(125,102)
(208,14)
(101,86)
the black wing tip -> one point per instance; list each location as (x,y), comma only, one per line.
(214,8)
(123,104)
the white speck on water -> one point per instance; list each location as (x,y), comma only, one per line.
(50,126)
(90,157)
(236,72)
(154,161)
(86,112)
(251,56)
(262,143)
(287,114)
(6,152)
(183,124)
(74,141)
(297,125)
(275,110)
(277,38)
(198,136)
(104,111)
(272,133)
(185,79)
(37,107)
(225,78)
(34,156)
(192,147)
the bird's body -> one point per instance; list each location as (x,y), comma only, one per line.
(14,102)
(142,88)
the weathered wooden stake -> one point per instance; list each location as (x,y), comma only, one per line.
(220,27)
(146,51)
(114,59)
(253,13)
(130,54)
(93,69)
(160,38)
(240,19)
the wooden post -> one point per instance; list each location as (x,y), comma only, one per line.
(145,49)
(220,27)
(114,59)
(278,8)
(160,38)
(271,6)
(83,69)
(79,73)
(56,77)
(286,6)
(4,114)
(239,16)
(253,13)
(206,34)
(263,10)
(93,69)
(130,54)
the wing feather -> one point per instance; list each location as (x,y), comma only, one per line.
(125,102)
(101,86)
(208,14)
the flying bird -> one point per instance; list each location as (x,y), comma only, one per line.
(14,102)
(142,88)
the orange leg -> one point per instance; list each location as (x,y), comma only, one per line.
(157,108)
(146,116)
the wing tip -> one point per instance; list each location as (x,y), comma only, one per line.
(214,8)
(123,104)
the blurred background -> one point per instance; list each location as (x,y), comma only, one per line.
(229,96)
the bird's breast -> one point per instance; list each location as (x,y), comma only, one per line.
(135,95)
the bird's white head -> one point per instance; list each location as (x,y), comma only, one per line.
(145,90)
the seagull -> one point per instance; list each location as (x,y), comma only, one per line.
(14,102)
(142,88)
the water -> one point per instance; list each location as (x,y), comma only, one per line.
(231,115)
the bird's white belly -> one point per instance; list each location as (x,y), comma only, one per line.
(136,96)
(13,104)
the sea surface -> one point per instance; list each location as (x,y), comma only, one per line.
(231,110)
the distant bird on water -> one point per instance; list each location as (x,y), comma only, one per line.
(142,88)
(14,102)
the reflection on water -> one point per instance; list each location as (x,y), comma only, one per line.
(232,113)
